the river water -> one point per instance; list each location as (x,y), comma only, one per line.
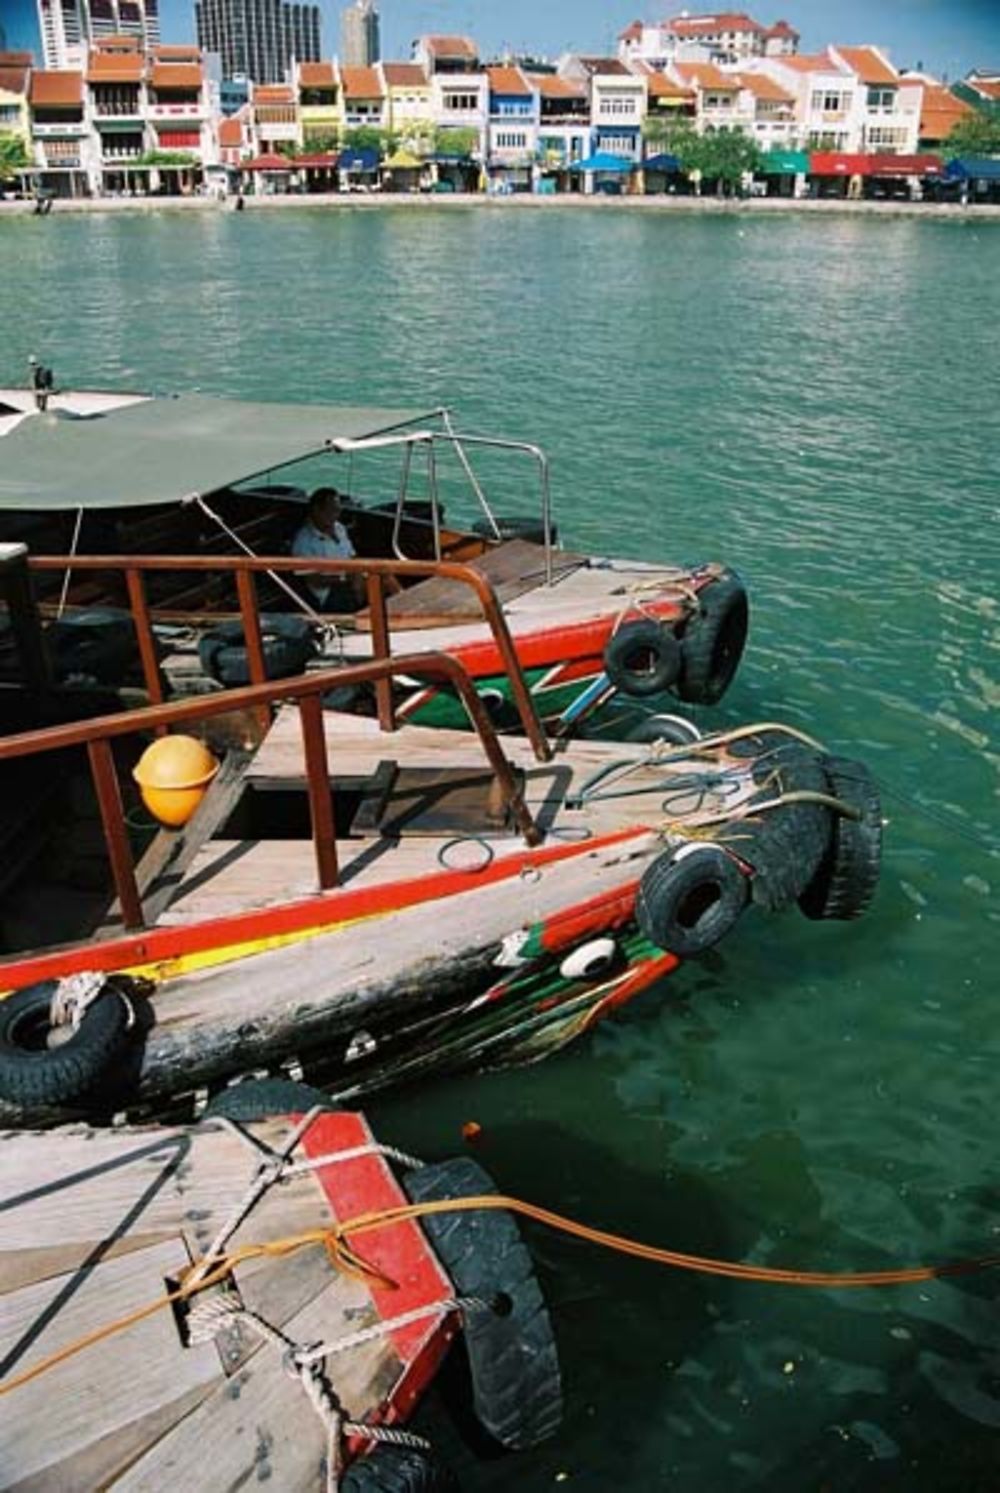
(815,402)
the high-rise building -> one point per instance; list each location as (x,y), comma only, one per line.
(258,39)
(359,35)
(70,27)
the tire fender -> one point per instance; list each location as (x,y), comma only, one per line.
(34,1075)
(688,900)
(713,641)
(642,658)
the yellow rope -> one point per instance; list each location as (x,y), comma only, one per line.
(343,1258)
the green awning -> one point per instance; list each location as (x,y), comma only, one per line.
(162,450)
(786,162)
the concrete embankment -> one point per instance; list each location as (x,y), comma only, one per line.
(368,202)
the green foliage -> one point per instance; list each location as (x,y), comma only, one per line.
(978,135)
(166,158)
(317,143)
(722,156)
(14,156)
(461,141)
(370,137)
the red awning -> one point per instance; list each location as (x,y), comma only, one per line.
(925,165)
(320,159)
(180,139)
(268,163)
(833,163)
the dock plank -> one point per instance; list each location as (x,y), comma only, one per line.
(109,1403)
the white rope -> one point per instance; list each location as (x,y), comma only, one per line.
(329,629)
(69,569)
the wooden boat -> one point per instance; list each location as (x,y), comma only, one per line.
(103,475)
(381,901)
(260,1348)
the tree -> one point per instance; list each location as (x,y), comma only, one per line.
(369,137)
(455,142)
(14,156)
(166,158)
(319,143)
(976,135)
(726,156)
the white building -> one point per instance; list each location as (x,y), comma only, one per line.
(459,86)
(70,27)
(725,37)
(850,100)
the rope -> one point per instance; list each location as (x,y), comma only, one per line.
(327,627)
(206,1273)
(69,569)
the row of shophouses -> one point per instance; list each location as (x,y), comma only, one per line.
(137,122)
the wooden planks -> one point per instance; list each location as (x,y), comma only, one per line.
(513,568)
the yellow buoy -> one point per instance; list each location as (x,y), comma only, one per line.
(173,774)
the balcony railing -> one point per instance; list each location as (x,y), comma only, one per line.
(177,111)
(73,128)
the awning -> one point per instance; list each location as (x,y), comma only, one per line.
(662,162)
(922,165)
(602,161)
(450,158)
(267,163)
(786,163)
(359,158)
(973,168)
(88,451)
(833,163)
(323,160)
(403,160)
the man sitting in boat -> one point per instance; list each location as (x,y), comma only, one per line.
(324,537)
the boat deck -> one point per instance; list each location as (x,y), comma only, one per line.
(434,818)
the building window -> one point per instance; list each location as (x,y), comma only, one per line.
(881,100)
(463,103)
(618,145)
(886,139)
(619,103)
(511,140)
(828,101)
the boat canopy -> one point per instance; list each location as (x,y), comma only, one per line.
(98,451)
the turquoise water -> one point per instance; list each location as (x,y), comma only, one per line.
(816,403)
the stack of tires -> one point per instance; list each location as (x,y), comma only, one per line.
(698,661)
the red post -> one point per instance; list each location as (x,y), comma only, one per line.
(109,802)
(381,649)
(320,796)
(144,634)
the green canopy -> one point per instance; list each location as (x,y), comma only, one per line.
(786,162)
(162,450)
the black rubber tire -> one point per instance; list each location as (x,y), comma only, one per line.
(512,1357)
(99,644)
(515,526)
(784,846)
(288,645)
(37,1077)
(686,906)
(397,1469)
(848,875)
(260,1098)
(642,658)
(666,728)
(713,641)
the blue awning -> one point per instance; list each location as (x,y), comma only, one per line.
(359,158)
(604,162)
(973,168)
(662,162)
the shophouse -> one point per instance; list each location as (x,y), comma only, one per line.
(459,100)
(563,129)
(15,119)
(408,103)
(320,107)
(63,146)
(179,104)
(275,121)
(512,140)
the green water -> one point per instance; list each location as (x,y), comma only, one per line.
(816,403)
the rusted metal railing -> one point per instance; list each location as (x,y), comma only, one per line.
(246,568)
(305,689)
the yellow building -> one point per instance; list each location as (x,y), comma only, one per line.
(14,117)
(409,112)
(321,110)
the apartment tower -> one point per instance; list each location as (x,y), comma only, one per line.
(359,35)
(258,39)
(70,27)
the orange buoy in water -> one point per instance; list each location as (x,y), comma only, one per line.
(173,774)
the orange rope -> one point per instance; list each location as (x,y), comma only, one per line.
(343,1258)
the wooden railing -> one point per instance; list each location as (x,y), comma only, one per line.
(306,689)
(245,567)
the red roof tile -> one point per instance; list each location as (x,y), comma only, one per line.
(549,86)
(714,22)
(706,75)
(660,86)
(508,80)
(176,75)
(989,88)
(940,111)
(230,132)
(404,75)
(451,46)
(764,88)
(814,62)
(316,75)
(632,32)
(869,65)
(57,89)
(115,67)
(177,53)
(361,82)
(606,66)
(14,79)
(273,93)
